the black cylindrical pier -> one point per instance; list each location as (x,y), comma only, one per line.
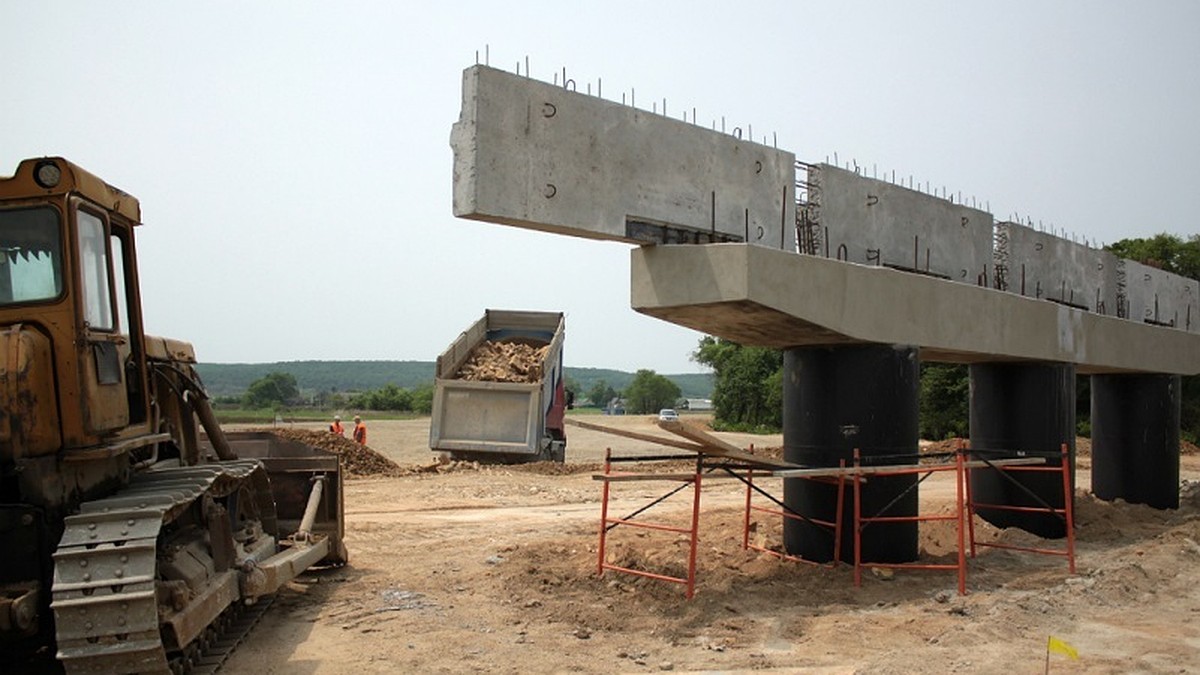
(1022,408)
(1135,438)
(837,399)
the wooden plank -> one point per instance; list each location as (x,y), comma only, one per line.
(868,470)
(719,448)
(712,447)
(697,435)
(1016,461)
(627,477)
(660,440)
(819,472)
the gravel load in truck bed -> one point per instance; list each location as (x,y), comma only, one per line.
(508,361)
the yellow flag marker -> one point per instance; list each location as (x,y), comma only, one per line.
(1053,644)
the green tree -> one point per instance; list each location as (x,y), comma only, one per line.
(1164,251)
(274,389)
(748,388)
(650,392)
(391,397)
(601,393)
(422,399)
(945,396)
(387,397)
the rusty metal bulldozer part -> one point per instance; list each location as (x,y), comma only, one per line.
(131,525)
(297,471)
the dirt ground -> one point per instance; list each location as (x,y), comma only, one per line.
(495,570)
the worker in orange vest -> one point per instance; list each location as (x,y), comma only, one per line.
(336,427)
(360,431)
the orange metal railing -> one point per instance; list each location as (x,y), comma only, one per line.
(862,521)
(835,525)
(1067,512)
(607,523)
(962,514)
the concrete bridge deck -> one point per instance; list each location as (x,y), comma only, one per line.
(761,296)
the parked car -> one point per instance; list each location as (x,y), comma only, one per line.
(667,415)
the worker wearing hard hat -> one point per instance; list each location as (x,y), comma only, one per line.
(360,431)
(336,427)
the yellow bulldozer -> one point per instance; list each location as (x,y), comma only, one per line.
(133,530)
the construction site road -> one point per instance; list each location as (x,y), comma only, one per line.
(494,569)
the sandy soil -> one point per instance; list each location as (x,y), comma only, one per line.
(495,570)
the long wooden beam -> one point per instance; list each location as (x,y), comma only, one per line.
(718,448)
(704,443)
(660,440)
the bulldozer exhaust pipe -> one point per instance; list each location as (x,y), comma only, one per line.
(208,420)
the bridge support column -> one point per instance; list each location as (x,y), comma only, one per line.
(1135,438)
(836,399)
(1022,407)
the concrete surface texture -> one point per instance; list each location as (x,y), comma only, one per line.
(874,222)
(1041,265)
(1161,297)
(536,155)
(755,295)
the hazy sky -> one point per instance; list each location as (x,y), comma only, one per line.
(293,161)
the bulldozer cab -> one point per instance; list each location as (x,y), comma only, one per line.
(69,312)
(102,459)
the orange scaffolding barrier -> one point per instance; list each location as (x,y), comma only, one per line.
(963,511)
(1067,512)
(861,521)
(835,525)
(607,523)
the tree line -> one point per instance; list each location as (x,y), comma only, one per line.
(647,392)
(279,390)
(317,377)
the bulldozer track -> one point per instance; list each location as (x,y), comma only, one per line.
(104,594)
(242,622)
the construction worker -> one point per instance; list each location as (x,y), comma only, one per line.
(360,431)
(336,427)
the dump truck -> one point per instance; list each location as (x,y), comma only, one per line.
(133,531)
(502,422)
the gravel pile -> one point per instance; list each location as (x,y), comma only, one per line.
(357,460)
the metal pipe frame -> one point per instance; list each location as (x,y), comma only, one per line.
(861,522)
(1067,513)
(607,523)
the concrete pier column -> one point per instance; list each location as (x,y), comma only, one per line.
(1135,438)
(836,399)
(1022,407)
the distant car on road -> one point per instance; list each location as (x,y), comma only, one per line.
(667,415)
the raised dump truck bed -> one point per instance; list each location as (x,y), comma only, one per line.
(502,421)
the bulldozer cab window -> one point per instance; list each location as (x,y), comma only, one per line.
(118,254)
(30,255)
(94,272)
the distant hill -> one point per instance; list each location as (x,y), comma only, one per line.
(232,379)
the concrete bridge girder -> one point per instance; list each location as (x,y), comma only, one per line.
(758,296)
